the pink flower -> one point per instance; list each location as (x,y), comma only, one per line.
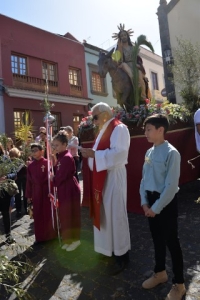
(84,119)
(137,116)
(136,107)
(89,113)
(147,101)
(159,105)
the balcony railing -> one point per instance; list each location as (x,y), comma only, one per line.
(34,83)
(75,90)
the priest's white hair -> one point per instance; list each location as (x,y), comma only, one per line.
(102,106)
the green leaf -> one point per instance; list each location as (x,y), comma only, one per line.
(116,56)
(142,40)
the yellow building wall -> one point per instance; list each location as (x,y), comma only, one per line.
(153,63)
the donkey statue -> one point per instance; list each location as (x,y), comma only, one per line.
(121,82)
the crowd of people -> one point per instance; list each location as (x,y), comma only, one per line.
(107,161)
(34,190)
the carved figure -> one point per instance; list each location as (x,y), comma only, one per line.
(120,80)
(127,62)
(126,48)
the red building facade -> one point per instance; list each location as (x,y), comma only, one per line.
(29,55)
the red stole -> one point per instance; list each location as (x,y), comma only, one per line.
(99,177)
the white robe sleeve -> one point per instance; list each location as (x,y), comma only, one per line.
(117,155)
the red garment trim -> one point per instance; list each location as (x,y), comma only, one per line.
(100,177)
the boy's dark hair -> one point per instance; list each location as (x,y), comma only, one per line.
(36,145)
(157,120)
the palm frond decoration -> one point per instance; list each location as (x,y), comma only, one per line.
(8,166)
(4,140)
(141,41)
(9,186)
(46,105)
(23,132)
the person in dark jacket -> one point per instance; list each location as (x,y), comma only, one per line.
(21,183)
(5,211)
(5,199)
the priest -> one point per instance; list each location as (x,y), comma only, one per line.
(107,160)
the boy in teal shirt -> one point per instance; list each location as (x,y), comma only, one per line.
(158,190)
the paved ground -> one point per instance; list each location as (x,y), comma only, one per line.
(82,274)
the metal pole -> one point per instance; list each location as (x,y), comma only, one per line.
(49,120)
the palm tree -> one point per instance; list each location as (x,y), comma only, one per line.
(141,40)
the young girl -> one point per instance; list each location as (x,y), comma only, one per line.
(68,191)
(72,146)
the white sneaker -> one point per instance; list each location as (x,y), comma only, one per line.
(64,247)
(73,246)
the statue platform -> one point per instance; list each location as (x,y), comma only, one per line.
(180,136)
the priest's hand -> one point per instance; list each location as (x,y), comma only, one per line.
(87,152)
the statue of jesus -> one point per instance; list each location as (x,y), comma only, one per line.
(125,46)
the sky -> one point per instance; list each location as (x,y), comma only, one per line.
(90,20)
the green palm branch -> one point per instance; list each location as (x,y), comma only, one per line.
(141,41)
(4,140)
(26,127)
